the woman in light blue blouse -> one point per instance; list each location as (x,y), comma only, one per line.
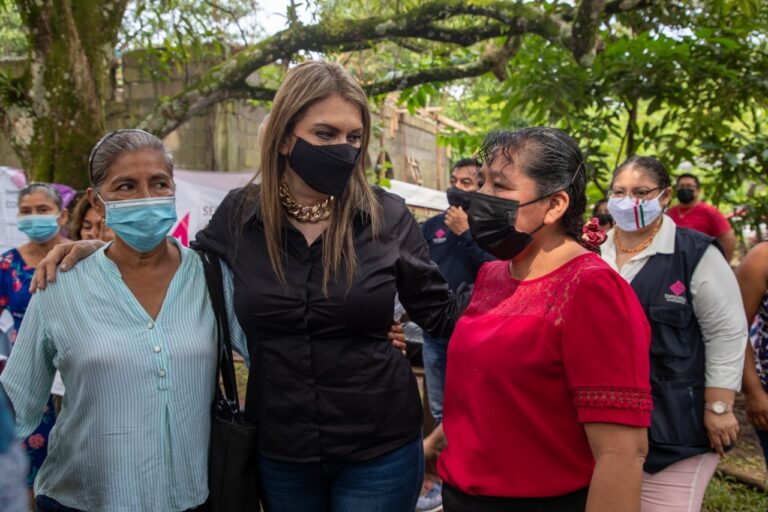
(131,330)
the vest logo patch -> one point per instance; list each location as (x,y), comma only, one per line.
(439,236)
(677,289)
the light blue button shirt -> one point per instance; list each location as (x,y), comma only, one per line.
(134,428)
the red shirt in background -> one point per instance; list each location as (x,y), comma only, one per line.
(702,217)
(528,363)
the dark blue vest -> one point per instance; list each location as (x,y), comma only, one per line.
(677,352)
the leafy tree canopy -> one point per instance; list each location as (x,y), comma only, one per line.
(683,80)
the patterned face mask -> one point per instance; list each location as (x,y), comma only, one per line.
(632,214)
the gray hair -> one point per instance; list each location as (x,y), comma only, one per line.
(46,189)
(115,144)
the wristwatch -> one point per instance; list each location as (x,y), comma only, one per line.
(719,407)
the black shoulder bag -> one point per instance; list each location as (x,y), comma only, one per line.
(233,459)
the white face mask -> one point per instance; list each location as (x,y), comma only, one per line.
(632,214)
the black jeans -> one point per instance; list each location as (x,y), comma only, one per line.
(46,504)
(455,500)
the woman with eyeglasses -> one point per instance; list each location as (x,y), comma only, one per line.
(41,217)
(692,301)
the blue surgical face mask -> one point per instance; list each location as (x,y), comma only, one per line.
(141,223)
(39,228)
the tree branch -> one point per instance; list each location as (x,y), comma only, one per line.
(436,74)
(619,6)
(232,15)
(427,76)
(422,22)
(419,22)
(584,30)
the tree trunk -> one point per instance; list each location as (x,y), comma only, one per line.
(632,129)
(61,115)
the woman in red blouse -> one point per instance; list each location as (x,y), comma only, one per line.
(547,396)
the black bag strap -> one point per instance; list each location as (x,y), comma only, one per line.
(225,365)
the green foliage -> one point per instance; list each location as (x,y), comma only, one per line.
(725,495)
(683,80)
(13,40)
(686,84)
(176,34)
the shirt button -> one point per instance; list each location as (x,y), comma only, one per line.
(151,325)
(157,349)
(162,372)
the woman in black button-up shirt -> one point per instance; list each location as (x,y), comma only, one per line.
(317,256)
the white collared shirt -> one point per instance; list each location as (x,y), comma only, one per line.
(716,299)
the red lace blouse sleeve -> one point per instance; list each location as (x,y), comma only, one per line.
(606,344)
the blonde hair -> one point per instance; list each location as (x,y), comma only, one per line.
(305,85)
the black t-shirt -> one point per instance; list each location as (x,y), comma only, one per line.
(325,382)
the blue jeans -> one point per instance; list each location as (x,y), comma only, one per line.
(388,483)
(435,354)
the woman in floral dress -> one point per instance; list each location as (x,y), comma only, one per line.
(41,217)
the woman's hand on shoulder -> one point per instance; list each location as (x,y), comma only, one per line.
(65,256)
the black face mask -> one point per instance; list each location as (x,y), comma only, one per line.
(492,224)
(456,198)
(327,169)
(604,218)
(685,195)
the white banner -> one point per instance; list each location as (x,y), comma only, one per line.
(198,194)
(11,181)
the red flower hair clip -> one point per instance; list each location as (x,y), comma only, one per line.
(592,234)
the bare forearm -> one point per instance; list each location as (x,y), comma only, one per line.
(750,381)
(616,482)
(719,394)
(728,241)
(436,439)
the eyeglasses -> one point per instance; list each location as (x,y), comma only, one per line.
(640,193)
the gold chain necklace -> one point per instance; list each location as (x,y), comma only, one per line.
(643,245)
(301,213)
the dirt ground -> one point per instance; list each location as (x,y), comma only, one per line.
(746,462)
